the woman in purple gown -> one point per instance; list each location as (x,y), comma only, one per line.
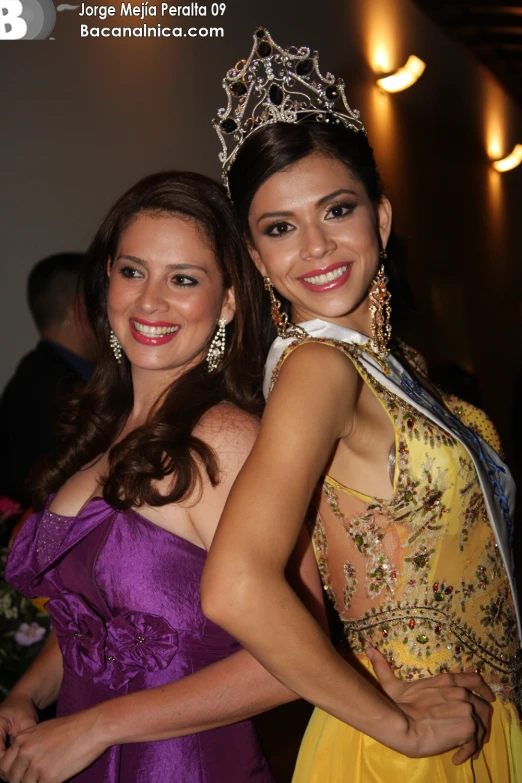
(147,688)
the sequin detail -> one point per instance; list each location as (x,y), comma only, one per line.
(50,537)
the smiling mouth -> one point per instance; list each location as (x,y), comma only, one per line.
(154,331)
(327,277)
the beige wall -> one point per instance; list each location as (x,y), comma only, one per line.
(82,120)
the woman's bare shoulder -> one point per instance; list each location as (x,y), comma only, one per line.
(315,368)
(231,433)
(318,357)
(225,426)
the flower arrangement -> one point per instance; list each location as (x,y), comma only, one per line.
(23,625)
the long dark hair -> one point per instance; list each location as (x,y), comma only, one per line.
(164,445)
(277,146)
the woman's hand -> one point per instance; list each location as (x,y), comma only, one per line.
(16,714)
(444,706)
(53,751)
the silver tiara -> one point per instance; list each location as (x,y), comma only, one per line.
(277,85)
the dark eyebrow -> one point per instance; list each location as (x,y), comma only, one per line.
(325,199)
(170,267)
(322,201)
(274,215)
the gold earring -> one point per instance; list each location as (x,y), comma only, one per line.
(380,311)
(285,327)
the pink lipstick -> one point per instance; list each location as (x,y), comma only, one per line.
(326,279)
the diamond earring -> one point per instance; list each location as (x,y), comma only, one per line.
(216,350)
(116,347)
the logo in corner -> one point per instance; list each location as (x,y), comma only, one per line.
(26,20)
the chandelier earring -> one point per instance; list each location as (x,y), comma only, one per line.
(216,350)
(116,347)
(285,328)
(380,311)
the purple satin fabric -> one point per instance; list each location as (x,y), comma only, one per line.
(124,603)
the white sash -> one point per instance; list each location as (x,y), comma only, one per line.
(495,479)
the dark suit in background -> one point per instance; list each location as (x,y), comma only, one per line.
(28,409)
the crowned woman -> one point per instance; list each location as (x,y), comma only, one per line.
(413,502)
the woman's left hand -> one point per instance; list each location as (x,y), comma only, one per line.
(439,689)
(54,750)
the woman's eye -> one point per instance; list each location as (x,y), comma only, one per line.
(340,210)
(129,272)
(184,281)
(278,229)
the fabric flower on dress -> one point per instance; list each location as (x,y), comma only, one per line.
(81,634)
(111,653)
(137,641)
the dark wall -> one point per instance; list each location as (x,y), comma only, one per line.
(82,120)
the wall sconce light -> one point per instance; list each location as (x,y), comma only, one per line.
(511,161)
(404,77)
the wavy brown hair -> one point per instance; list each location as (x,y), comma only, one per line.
(164,446)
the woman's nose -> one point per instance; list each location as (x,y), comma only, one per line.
(316,242)
(152,298)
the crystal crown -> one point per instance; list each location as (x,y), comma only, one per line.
(277,85)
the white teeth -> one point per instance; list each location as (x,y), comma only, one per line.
(154,331)
(328,277)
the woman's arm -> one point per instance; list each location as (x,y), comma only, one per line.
(43,678)
(224,692)
(311,407)
(35,690)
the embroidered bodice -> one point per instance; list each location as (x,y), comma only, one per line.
(419,575)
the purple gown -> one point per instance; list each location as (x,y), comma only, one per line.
(124,603)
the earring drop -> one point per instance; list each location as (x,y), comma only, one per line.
(116,347)
(285,328)
(216,350)
(380,311)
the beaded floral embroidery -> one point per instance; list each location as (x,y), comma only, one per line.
(446,604)
(367,537)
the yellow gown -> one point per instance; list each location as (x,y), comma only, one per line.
(421,578)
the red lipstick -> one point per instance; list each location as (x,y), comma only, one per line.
(152,339)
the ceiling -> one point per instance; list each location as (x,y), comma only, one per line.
(491,29)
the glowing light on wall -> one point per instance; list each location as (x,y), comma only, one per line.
(494,149)
(381,60)
(404,77)
(380,25)
(511,161)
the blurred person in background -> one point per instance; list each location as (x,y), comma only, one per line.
(60,363)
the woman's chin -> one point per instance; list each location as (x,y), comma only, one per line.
(333,312)
(152,364)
